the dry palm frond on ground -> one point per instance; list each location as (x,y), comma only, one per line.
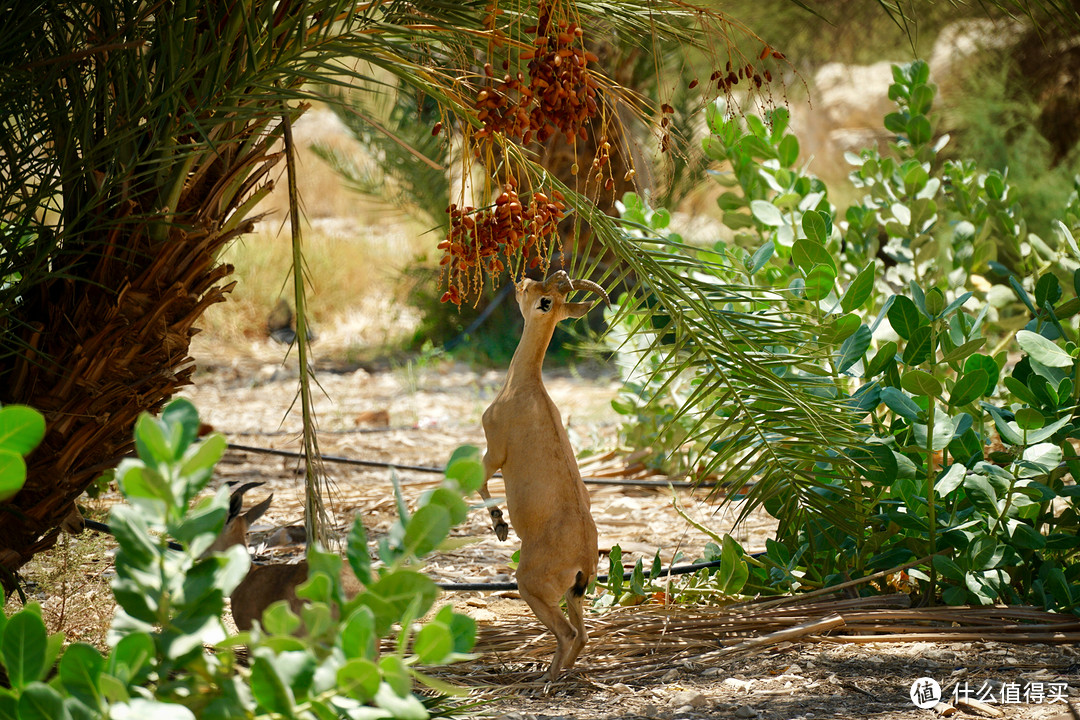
(646,642)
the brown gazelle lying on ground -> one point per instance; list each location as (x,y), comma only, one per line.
(548,503)
(264,584)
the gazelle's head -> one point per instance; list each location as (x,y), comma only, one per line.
(547,299)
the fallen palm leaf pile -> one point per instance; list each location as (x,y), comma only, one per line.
(649,641)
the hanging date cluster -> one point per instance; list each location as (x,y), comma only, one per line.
(555,94)
(559,94)
(490,239)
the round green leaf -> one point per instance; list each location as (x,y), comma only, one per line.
(182,419)
(904,316)
(130,658)
(392,594)
(958,354)
(919,131)
(935,302)
(12,474)
(859,289)
(396,675)
(80,667)
(279,619)
(813,224)
(968,388)
(1029,419)
(788,150)
(38,701)
(357,638)
(986,363)
(356,552)
(465,469)
(853,348)
(23,648)
(463,630)
(766,213)
(920,382)
(269,689)
(920,346)
(21,428)
(359,678)
(1042,350)
(434,643)
(900,403)
(819,282)
(1047,290)
(428,527)
(922,97)
(915,180)
(806,253)
(451,501)
(885,354)
(896,123)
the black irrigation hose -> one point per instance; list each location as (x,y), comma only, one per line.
(440,471)
(462,587)
(103,528)
(347,431)
(673,570)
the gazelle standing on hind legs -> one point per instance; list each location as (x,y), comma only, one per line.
(547,500)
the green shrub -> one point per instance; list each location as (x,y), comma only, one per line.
(918,294)
(171,604)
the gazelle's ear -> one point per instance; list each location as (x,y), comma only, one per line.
(576,310)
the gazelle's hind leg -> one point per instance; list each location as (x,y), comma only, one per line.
(549,613)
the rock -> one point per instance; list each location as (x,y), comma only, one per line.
(482,615)
(622,689)
(650,710)
(711,672)
(689,698)
(745,711)
(670,676)
(738,684)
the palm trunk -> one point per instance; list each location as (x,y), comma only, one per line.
(98,354)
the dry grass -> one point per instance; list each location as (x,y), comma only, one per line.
(346,262)
(354,249)
(71,582)
(633,644)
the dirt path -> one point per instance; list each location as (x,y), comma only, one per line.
(417,415)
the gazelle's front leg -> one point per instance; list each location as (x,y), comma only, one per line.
(497,522)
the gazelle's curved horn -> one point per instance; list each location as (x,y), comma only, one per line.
(559,282)
(591,287)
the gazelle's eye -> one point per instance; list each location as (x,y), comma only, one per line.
(545,304)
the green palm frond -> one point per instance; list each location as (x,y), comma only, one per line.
(403,158)
(760,405)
